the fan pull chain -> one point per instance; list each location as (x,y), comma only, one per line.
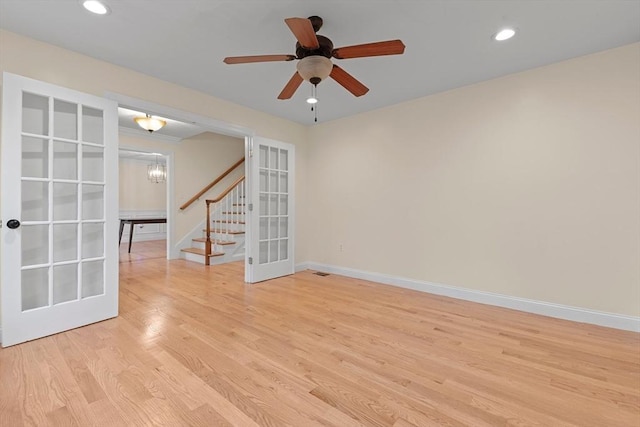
(314,107)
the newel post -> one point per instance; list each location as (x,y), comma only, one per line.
(207,244)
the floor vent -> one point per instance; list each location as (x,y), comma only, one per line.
(320,273)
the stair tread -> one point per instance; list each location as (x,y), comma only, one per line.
(226,221)
(224,231)
(201,252)
(217,242)
(233,213)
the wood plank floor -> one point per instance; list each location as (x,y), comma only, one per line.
(141,251)
(194,345)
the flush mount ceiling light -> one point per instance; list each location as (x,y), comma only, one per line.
(504,34)
(95,6)
(149,123)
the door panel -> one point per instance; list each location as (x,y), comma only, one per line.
(59,179)
(270,247)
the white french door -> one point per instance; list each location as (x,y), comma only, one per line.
(59,199)
(271,215)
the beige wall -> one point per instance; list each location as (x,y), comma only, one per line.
(136,191)
(199,160)
(527,185)
(42,61)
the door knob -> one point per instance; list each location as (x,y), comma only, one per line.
(13,224)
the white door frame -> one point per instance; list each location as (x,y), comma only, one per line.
(170,188)
(207,123)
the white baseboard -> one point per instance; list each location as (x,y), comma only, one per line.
(302,267)
(576,314)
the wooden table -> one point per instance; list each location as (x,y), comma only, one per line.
(135,221)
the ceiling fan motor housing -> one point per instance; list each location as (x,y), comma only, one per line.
(325,49)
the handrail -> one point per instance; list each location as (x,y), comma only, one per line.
(214,182)
(225,192)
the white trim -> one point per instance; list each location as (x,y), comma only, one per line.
(217,126)
(208,123)
(576,314)
(303,266)
(171,254)
(151,136)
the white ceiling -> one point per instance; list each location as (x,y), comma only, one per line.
(448,42)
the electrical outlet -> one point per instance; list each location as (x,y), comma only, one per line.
(340,247)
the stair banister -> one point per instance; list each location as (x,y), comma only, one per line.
(209,202)
(227,191)
(210,185)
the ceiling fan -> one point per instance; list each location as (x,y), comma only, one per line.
(314,53)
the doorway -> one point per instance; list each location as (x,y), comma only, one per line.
(180,125)
(278,213)
(143,204)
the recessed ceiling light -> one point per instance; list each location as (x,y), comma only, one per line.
(504,34)
(95,6)
(312,100)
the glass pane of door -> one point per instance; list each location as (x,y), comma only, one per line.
(62,202)
(35,157)
(273,197)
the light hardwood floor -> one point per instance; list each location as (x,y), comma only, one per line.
(194,345)
(141,251)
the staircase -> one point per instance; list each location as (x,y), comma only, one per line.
(226,218)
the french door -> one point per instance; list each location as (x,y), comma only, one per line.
(271,215)
(59,195)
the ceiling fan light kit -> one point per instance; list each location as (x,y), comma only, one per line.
(314,53)
(314,69)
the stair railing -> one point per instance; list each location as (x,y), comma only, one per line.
(211,184)
(227,212)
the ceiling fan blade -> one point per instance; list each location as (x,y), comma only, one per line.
(303,30)
(257,58)
(389,47)
(347,81)
(290,88)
